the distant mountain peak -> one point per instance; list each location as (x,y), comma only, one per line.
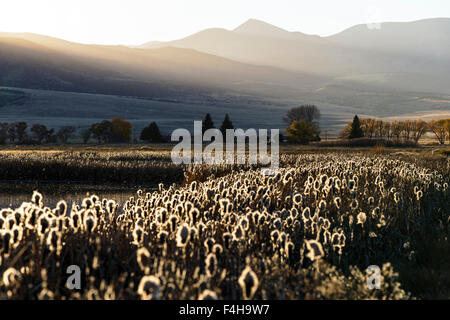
(255,24)
(256,27)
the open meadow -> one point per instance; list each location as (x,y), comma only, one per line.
(140,227)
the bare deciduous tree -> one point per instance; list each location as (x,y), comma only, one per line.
(439,130)
(419,129)
(308,113)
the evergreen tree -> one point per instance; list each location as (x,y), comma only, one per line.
(356,130)
(207,123)
(151,133)
(226,124)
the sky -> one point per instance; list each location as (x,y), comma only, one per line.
(133,22)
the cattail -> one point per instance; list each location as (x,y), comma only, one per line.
(315,250)
(238,233)
(138,235)
(201,227)
(354,204)
(244,223)
(93,294)
(2,223)
(4,213)
(194,214)
(183,235)
(90,223)
(9,223)
(361,218)
(75,220)
(351,185)
(322,205)
(161,215)
(149,288)
(95,199)
(143,259)
(283,238)
(11,277)
(188,206)
(335,239)
(193,234)
(396,197)
(227,239)
(54,240)
(208,295)
(277,223)
(337,202)
(261,219)
(46,294)
(110,206)
(289,249)
(419,195)
(342,239)
(217,249)
(179,209)
(211,264)
(110,294)
(297,198)
(6,239)
(225,205)
(323,179)
(43,224)
(209,244)
(274,235)
(306,214)
(163,236)
(382,221)
(37,198)
(87,203)
(248,282)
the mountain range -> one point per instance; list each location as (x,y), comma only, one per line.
(410,56)
(391,69)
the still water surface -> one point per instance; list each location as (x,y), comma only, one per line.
(13,194)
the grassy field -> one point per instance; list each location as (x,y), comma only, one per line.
(337,103)
(140,227)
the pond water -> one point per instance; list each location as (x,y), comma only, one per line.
(14,193)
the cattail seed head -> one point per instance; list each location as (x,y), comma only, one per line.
(149,288)
(183,235)
(208,295)
(315,250)
(249,283)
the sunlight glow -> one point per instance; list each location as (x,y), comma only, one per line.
(139,21)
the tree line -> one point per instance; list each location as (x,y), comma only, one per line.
(18,132)
(115,131)
(303,128)
(408,130)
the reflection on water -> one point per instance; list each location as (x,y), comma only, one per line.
(13,194)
